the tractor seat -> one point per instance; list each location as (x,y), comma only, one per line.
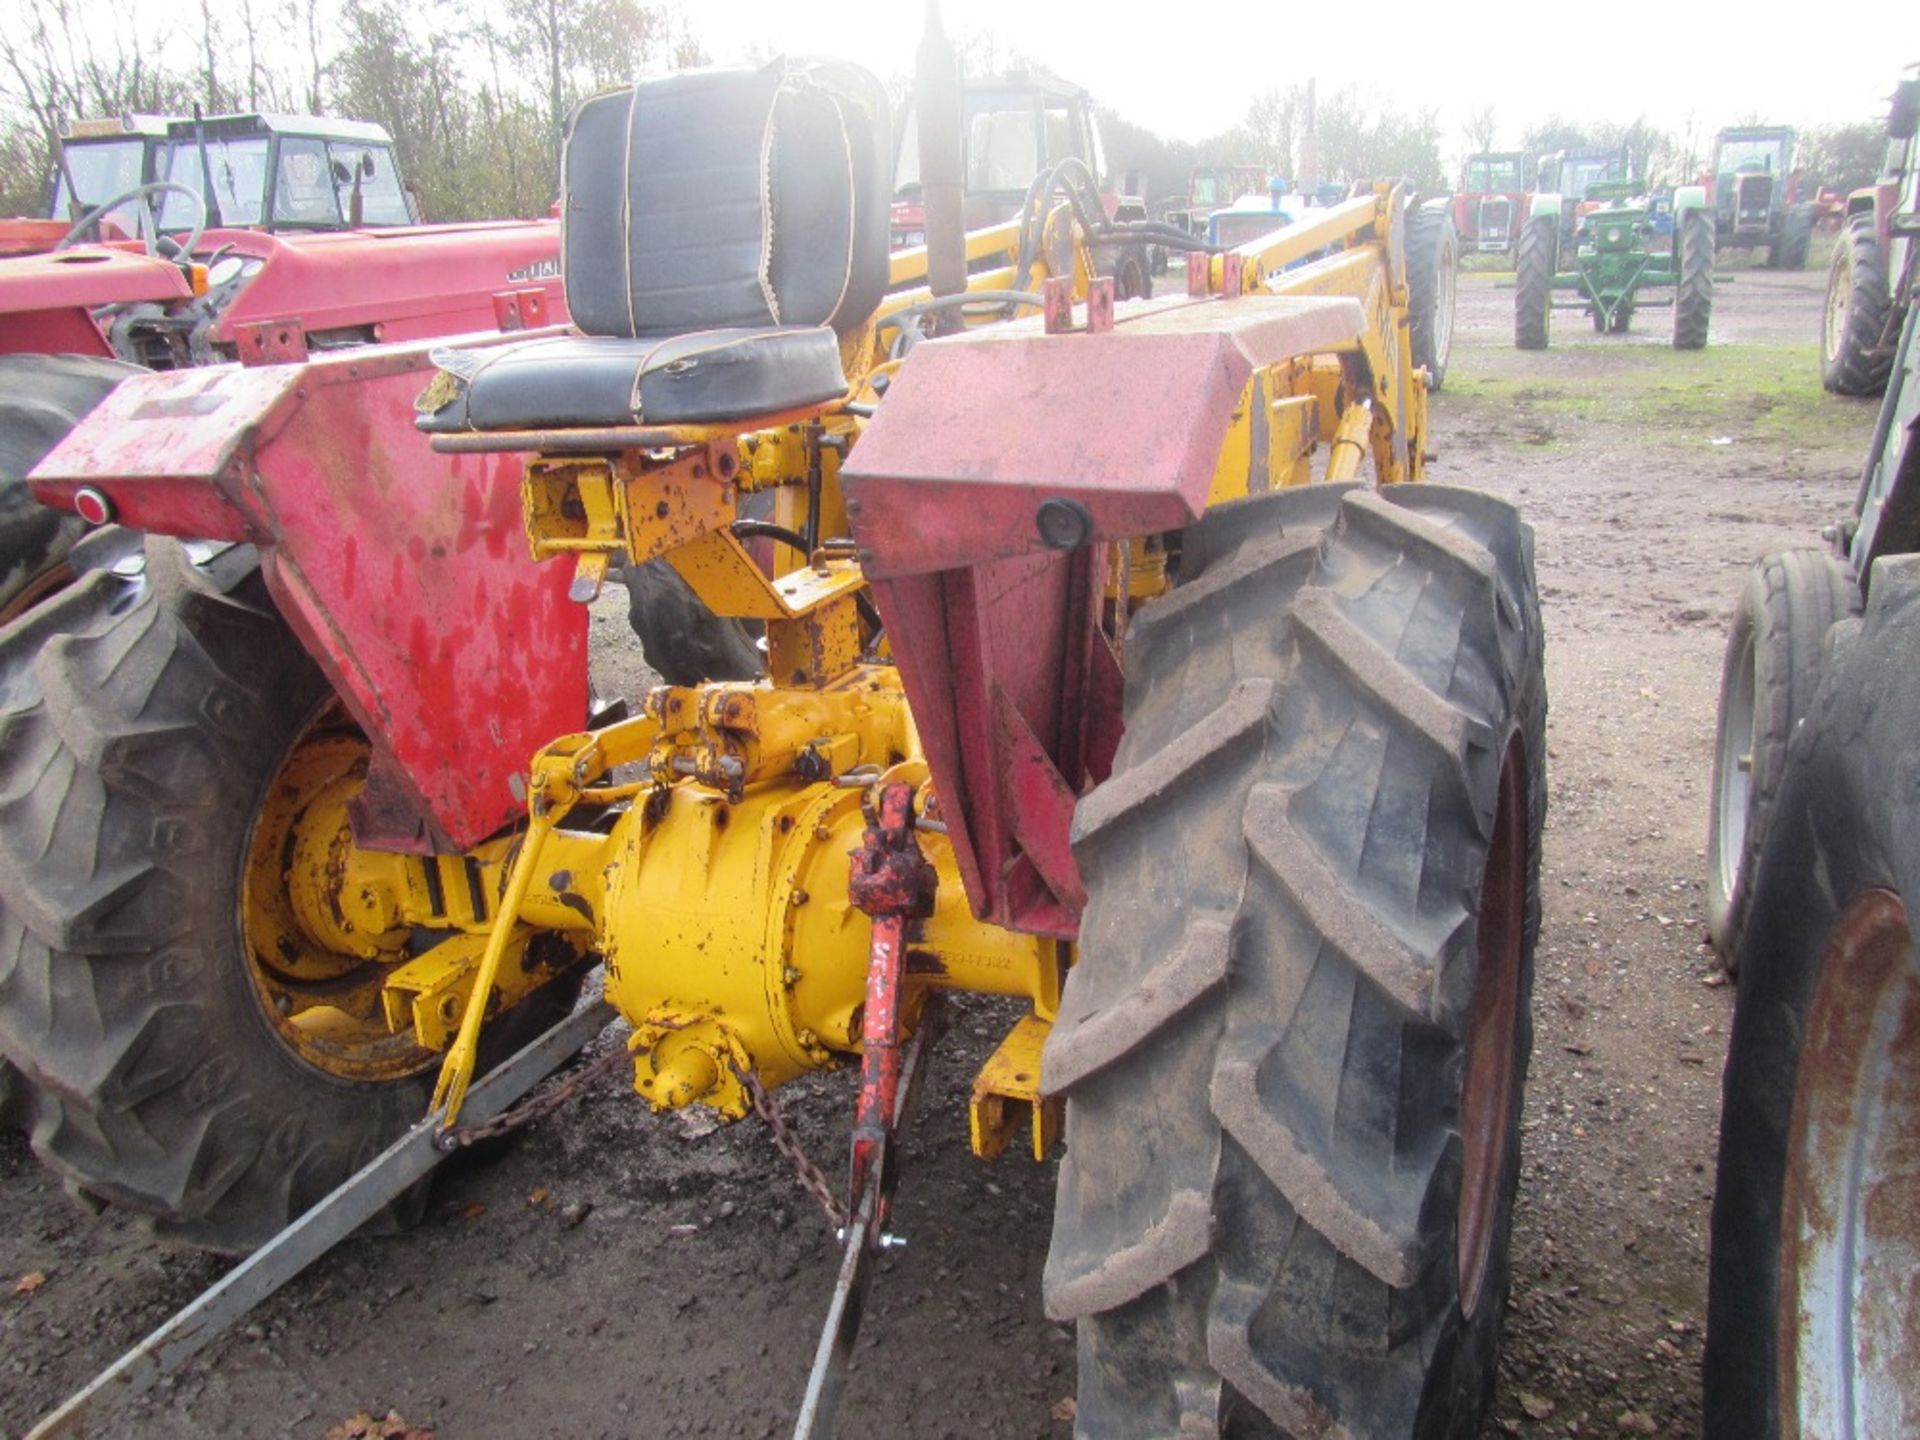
(564,381)
(721,231)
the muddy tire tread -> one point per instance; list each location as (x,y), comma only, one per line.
(42,397)
(1862,363)
(1693,292)
(1790,601)
(1533,282)
(1245,1225)
(1432,244)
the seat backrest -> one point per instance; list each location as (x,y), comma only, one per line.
(727,198)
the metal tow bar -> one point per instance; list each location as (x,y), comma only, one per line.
(893,883)
(355,1201)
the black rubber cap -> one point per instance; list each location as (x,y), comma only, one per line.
(1063,524)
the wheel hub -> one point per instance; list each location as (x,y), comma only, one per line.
(317,965)
(1850,1211)
(1733,770)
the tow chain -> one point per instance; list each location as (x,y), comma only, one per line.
(811,1179)
(534,1107)
(545,1102)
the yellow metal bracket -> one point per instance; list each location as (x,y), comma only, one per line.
(592,506)
(1007,1090)
(429,993)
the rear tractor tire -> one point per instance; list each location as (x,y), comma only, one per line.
(1772,668)
(1132,275)
(1433,268)
(42,397)
(184,1049)
(1294,1047)
(679,636)
(1533,282)
(1854,358)
(1693,291)
(1789,252)
(1811,1320)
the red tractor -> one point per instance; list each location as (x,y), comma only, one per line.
(259,239)
(1490,207)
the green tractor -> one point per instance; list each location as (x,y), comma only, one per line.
(1618,263)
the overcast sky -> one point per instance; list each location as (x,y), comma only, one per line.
(1188,69)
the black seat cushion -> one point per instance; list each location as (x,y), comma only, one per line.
(561,381)
(728,198)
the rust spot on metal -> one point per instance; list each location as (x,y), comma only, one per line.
(1850,1203)
(925,962)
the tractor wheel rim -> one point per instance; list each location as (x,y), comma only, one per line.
(45,585)
(1733,762)
(325,1006)
(1839,296)
(1487,1091)
(1443,317)
(1850,1213)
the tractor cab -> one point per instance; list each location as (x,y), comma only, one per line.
(1751,183)
(1491,203)
(1570,173)
(282,173)
(1217,187)
(1013,128)
(103,158)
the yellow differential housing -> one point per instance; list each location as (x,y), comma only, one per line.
(727,932)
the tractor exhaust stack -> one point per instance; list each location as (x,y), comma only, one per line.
(937,102)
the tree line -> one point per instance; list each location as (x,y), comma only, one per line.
(1354,137)
(476,95)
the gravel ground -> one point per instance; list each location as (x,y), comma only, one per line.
(617,1273)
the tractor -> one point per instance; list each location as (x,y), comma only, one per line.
(1490,206)
(1813,854)
(1571,174)
(1871,277)
(1114,657)
(244,252)
(1211,188)
(1752,191)
(1017,127)
(1615,264)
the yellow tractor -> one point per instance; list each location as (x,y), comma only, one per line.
(1113,659)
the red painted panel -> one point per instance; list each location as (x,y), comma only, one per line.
(1014,688)
(405,572)
(411,284)
(46,299)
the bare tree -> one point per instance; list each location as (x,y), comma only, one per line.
(1272,121)
(1480,129)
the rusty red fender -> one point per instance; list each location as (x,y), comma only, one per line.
(998,459)
(405,573)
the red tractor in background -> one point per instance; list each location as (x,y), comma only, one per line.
(260,238)
(1490,206)
(1211,188)
(1014,128)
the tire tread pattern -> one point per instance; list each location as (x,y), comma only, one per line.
(1295,1085)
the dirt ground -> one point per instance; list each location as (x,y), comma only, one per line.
(617,1274)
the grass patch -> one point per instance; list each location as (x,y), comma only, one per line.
(1750,392)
